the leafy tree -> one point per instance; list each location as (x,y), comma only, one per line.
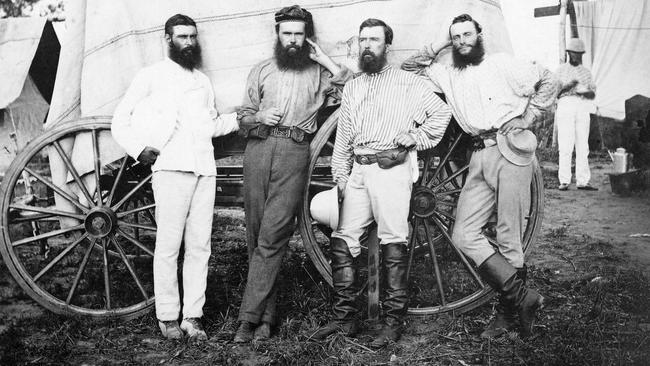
(16,8)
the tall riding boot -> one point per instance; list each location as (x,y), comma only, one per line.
(345,292)
(502,277)
(505,319)
(395,293)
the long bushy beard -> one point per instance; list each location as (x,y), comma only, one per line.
(474,57)
(371,63)
(189,58)
(291,57)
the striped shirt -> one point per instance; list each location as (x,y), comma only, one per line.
(567,73)
(376,108)
(487,95)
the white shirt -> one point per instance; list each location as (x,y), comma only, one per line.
(489,94)
(173,110)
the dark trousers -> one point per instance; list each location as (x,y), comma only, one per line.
(275,173)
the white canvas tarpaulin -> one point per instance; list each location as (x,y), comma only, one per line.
(616,35)
(19,39)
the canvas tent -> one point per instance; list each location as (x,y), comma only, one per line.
(616,35)
(29,51)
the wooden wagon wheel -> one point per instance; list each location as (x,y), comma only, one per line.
(93,256)
(441,278)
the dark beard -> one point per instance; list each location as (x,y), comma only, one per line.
(291,57)
(474,57)
(189,58)
(574,63)
(373,63)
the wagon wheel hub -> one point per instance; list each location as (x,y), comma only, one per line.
(423,202)
(100,222)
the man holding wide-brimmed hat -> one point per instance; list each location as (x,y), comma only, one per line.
(385,115)
(278,117)
(494,98)
(572,117)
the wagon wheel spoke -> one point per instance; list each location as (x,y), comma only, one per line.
(434,260)
(73,171)
(132,192)
(449,171)
(451,177)
(58,190)
(322,184)
(445,159)
(145,208)
(444,215)
(425,169)
(46,235)
(107,278)
(330,144)
(133,240)
(82,268)
(58,258)
(137,226)
(445,232)
(128,265)
(109,200)
(449,192)
(98,171)
(45,210)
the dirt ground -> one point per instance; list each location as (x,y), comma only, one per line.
(591,261)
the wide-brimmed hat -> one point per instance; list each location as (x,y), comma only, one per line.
(576,45)
(518,147)
(324,208)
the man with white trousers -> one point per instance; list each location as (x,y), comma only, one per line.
(168,118)
(572,117)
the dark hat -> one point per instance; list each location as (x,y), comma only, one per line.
(295,13)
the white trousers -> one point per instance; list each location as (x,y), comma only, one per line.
(382,195)
(184,209)
(572,120)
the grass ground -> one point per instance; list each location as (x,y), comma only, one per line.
(597,313)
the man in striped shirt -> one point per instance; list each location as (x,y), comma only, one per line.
(384,109)
(488,93)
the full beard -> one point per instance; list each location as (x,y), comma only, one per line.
(371,63)
(189,58)
(474,57)
(291,57)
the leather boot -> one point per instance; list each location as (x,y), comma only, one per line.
(395,293)
(506,316)
(502,277)
(345,292)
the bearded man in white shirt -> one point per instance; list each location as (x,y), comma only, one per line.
(492,95)
(168,118)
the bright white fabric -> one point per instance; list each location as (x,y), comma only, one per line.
(184,209)
(616,35)
(19,39)
(380,195)
(172,109)
(572,121)
(490,94)
(567,73)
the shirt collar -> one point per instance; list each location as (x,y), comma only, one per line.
(383,70)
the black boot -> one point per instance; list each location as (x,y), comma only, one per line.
(345,292)
(502,277)
(395,293)
(506,318)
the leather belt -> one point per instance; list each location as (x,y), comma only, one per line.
(294,133)
(478,141)
(366,159)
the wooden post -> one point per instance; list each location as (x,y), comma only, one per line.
(562,33)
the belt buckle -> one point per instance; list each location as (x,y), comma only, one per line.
(364,159)
(286,133)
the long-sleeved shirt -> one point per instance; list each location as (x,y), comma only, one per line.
(566,73)
(378,107)
(487,95)
(298,94)
(173,110)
